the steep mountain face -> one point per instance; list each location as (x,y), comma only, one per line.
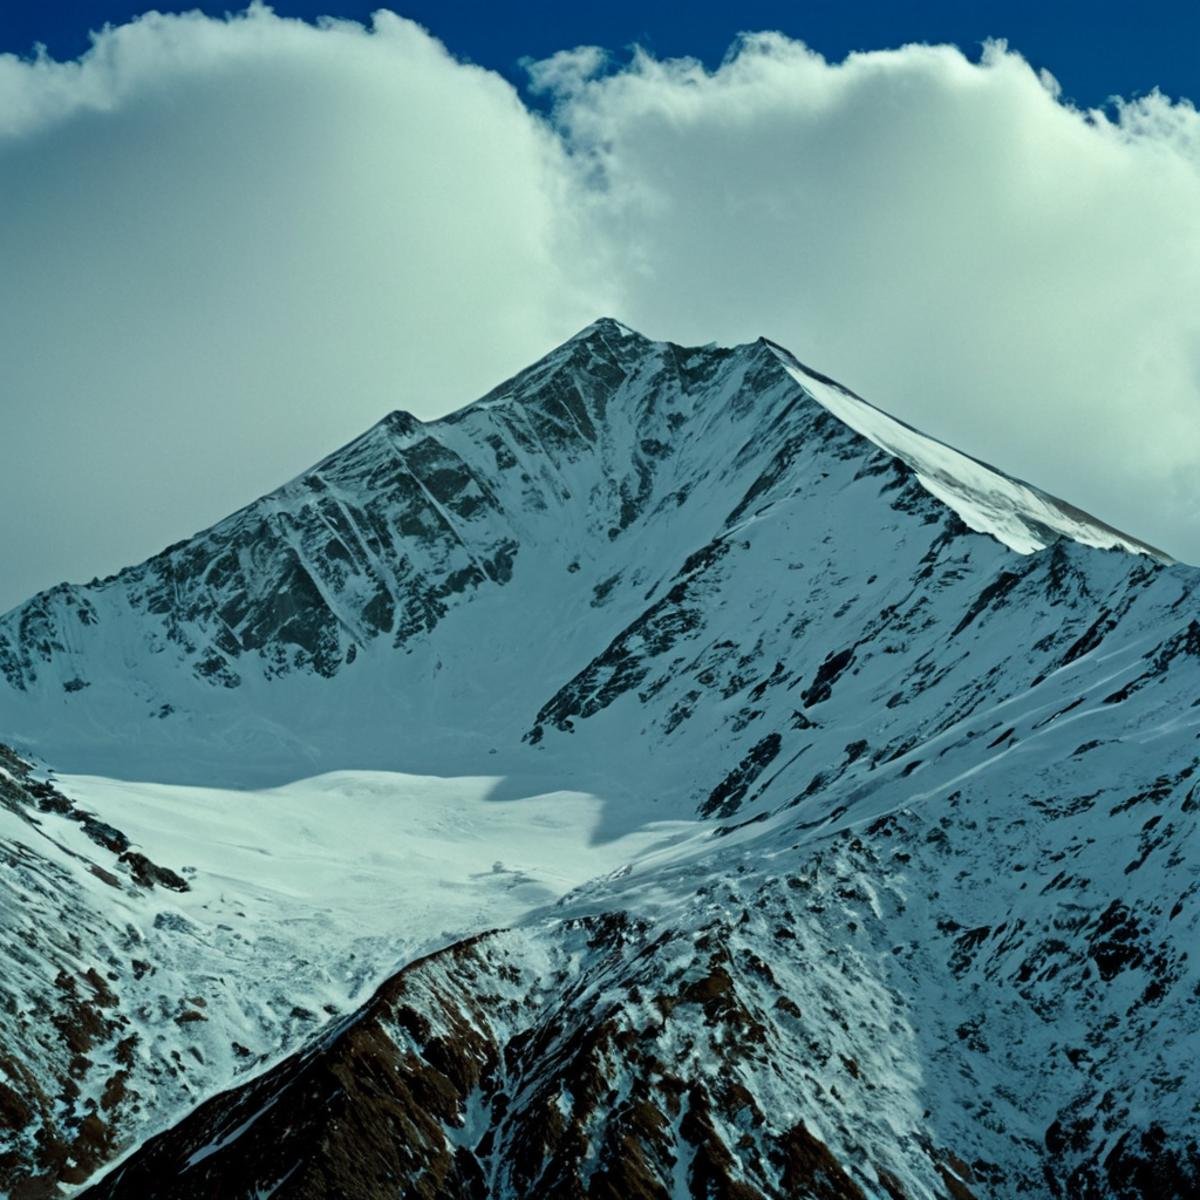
(421,564)
(60,1035)
(576,472)
(892,764)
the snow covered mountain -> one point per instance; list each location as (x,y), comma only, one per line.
(668,775)
(578,492)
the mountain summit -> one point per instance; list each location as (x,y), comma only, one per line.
(584,484)
(668,775)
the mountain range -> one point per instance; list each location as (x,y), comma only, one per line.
(669,775)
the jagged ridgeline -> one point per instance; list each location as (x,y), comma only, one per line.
(919,739)
(600,494)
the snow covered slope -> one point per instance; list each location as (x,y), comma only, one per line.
(884,871)
(1015,512)
(193,935)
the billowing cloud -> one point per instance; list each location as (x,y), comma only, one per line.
(1020,278)
(230,245)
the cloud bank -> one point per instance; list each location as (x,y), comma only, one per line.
(229,246)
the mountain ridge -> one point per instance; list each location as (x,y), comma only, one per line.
(407,423)
(881,834)
(310,571)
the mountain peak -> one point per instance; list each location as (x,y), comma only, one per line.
(614,451)
(607,326)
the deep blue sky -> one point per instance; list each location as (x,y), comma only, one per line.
(1095,49)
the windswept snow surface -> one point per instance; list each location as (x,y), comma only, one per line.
(1016,513)
(365,867)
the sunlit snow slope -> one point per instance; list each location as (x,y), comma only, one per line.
(865,775)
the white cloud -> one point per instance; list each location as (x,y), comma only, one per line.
(564,73)
(229,245)
(949,238)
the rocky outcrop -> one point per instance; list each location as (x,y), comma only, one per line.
(67,1035)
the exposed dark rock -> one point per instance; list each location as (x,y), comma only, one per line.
(726,798)
(827,675)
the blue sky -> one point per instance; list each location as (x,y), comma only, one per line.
(1095,50)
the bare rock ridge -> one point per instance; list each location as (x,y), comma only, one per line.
(917,743)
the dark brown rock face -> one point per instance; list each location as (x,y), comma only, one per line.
(482,1071)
